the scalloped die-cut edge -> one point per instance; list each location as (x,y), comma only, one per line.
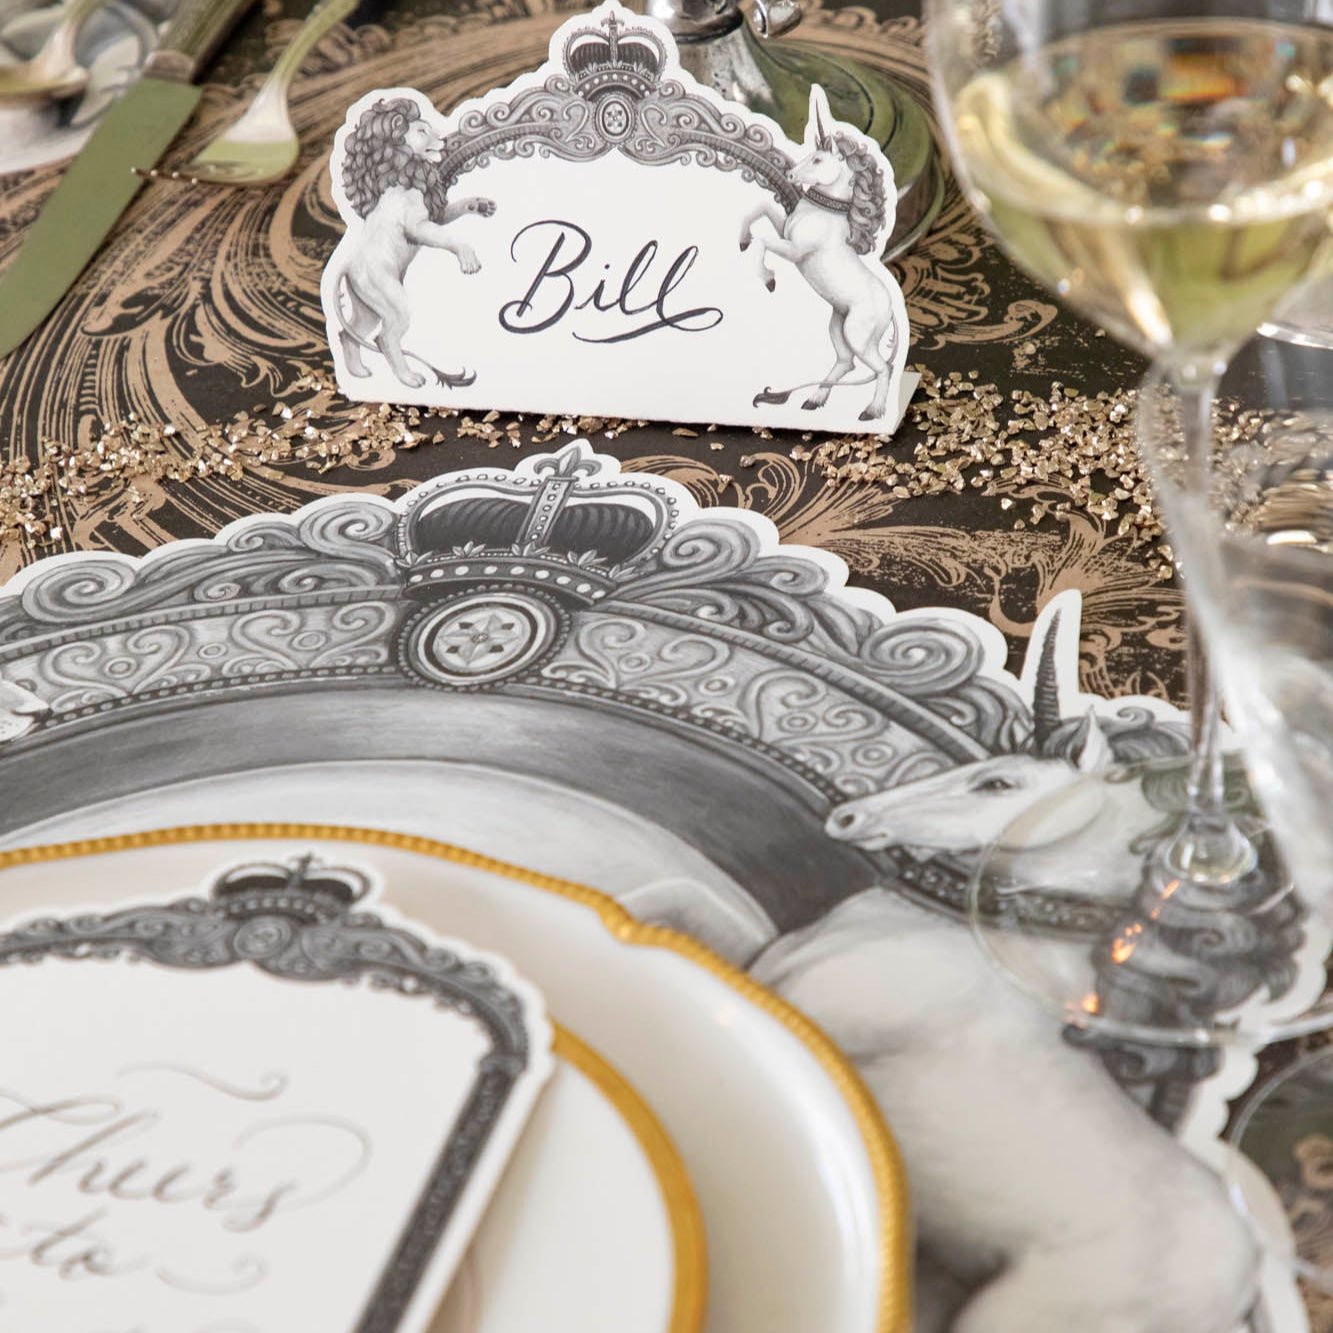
(903,382)
(674,69)
(1067,604)
(537,1019)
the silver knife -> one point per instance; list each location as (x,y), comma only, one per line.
(99,184)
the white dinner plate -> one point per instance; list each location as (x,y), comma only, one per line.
(800,1184)
(594,1227)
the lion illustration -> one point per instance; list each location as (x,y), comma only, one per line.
(389,180)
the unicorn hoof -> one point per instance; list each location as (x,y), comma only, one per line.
(871,414)
(745,245)
(811,403)
(771,283)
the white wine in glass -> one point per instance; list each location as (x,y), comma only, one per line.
(1166,167)
(1170,179)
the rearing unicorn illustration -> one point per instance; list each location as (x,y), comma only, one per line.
(834,234)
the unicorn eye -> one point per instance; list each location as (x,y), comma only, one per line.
(993,784)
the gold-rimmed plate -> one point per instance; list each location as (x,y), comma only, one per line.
(800,1185)
(595,1221)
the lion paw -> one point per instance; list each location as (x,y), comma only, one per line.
(412,379)
(468,261)
(486,207)
(352,357)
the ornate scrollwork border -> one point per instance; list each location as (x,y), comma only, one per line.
(607,572)
(614,94)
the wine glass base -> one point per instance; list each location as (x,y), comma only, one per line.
(1077,902)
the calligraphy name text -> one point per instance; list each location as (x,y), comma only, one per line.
(560,287)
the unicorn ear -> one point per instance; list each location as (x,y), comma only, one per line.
(819,116)
(1095,753)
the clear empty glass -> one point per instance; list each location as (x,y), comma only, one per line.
(1237,958)
(1253,531)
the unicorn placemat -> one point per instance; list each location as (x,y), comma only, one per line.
(607,236)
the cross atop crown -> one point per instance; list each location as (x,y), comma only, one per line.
(614,57)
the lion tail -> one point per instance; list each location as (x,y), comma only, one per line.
(341,284)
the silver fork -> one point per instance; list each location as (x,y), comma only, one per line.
(262,145)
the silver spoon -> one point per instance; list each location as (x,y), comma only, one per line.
(54,71)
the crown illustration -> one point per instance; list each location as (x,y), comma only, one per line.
(563,522)
(302,888)
(627,60)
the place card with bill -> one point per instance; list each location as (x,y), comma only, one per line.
(607,236)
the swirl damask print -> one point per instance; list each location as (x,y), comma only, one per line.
(846,745)
(203,651)
(230,313)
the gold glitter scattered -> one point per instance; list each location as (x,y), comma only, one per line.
(1023,354)
(1044,457)
(132,456)
(1053,455)
(132,460)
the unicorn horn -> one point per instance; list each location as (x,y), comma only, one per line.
(817,105)
(1046,689)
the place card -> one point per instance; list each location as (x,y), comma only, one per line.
(261,1110)
(607,236)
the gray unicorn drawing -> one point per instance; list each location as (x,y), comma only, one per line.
(845,209)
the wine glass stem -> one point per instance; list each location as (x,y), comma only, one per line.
(1209,846)
(1207,795)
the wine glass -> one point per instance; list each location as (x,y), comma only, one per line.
(1284,1133)
(1166,166)
(1305,317)
(1257,540)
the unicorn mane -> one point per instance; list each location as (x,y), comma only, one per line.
(1133,734)
(866,214)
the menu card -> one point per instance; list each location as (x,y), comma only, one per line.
(262,1110)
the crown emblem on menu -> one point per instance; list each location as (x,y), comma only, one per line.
(302,887)
(561,523)
(627,60)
